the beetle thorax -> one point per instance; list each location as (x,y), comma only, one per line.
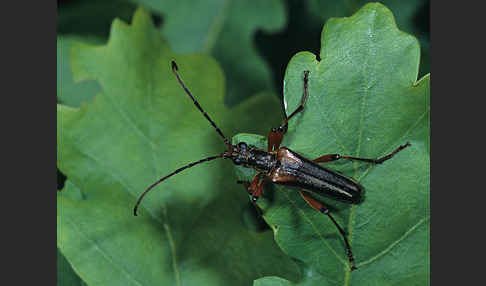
(251,157)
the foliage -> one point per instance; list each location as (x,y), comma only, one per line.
(69,92)
(409,16)
(129,135)
(224,29)
(363,101)
(198,227)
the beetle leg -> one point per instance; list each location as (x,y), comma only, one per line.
(274,139)
(255,188)
(246,184)
(323,209)
(276,134)
(327,158)
(305,94)
(334,157)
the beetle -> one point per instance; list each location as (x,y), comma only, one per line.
(282,166)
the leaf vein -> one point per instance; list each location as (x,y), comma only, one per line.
(102,252)
(371,32)
(405,134)
(391,246)
(130,121)
(314,228)
(111,172)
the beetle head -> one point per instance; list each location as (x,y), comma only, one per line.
(239,154)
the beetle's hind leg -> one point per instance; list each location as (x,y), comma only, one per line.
(276,134)
(334,157)
(323,209)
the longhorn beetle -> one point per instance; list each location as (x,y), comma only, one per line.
(283,166)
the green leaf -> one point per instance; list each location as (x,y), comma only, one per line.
(69,92)
(407,16)
(364,101)
(65,273)
(225,29)
(272,281)
(404,11)
(191,229)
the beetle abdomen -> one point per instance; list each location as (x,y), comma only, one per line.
(297,171)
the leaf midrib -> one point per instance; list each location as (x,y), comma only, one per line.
(371,31)
(350,222)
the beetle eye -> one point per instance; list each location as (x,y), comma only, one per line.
(242,145)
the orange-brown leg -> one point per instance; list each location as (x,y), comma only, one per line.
(334,157)
(276,134)
(255,188)
(327,158)
(323,209)
(275,139)
(247,188)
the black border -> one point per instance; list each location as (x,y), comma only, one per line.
(457,206)
(29,91)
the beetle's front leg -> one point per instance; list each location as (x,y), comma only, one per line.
(255,188)
(275,138)
(276,134)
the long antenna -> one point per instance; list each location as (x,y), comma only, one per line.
(171,174)
(174,69)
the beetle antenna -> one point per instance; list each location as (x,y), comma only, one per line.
(170,175)
(174,70)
